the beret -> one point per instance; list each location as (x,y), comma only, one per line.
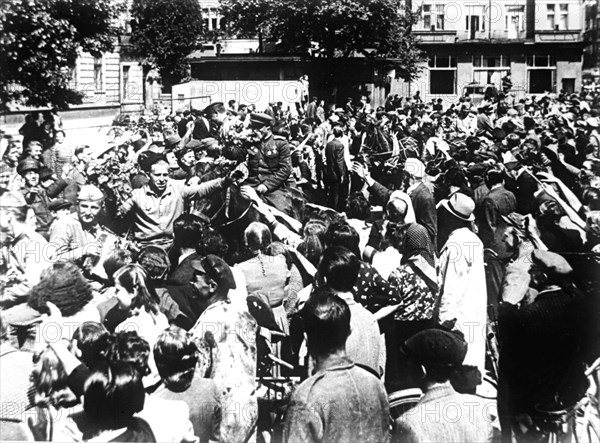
(436,347)
(551,262)
(259,120)
(90,193)
(28,164)
(12,199)
(217,269)
(59,203)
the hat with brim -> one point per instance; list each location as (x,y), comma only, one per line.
(104,149)
(260,120)
(461,206)
(215,268)
(28,165)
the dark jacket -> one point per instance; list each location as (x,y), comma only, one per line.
(39,202)
(425,210)
(523,188)
(335,166)
(269,163)
(202,130)
(498,202)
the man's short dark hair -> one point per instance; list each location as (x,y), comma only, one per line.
(342,234)
(129,347)
(154,160)
(338,131)
(187,229)
(339,267)
(79,149)
(176,356)
(326,322)
(493,176)
(358,207)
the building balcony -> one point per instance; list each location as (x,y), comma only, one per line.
(495,34)
(434,36)
(454,36)
(572,35)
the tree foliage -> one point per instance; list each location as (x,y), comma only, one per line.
(378,29)
(39,45)
(164,33)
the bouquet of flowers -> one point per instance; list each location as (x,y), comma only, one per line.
(238,137)
(113,177)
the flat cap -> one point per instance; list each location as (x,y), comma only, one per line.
(551,262)
(217,269)
(28,164)
(259,120)
(90,193)
(436,347)
(59,203)
(12,199)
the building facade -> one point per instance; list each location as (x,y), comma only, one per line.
(539,42)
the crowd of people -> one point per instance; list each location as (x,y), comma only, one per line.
(155,286)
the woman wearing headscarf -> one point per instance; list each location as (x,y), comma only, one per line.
(415,282)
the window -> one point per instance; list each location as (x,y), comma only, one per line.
(563,18)
(439,22)
(541,72)
(205,23)
(442,75)
(125,81)
(427,16)
(550,16)
(98,73)
(214,23)
(433,18)
(490,69)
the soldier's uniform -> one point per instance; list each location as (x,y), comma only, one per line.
(269,164)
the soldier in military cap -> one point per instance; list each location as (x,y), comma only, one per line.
(24,253)
(226,336)
(39,187)
(269,163)
(76,237)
